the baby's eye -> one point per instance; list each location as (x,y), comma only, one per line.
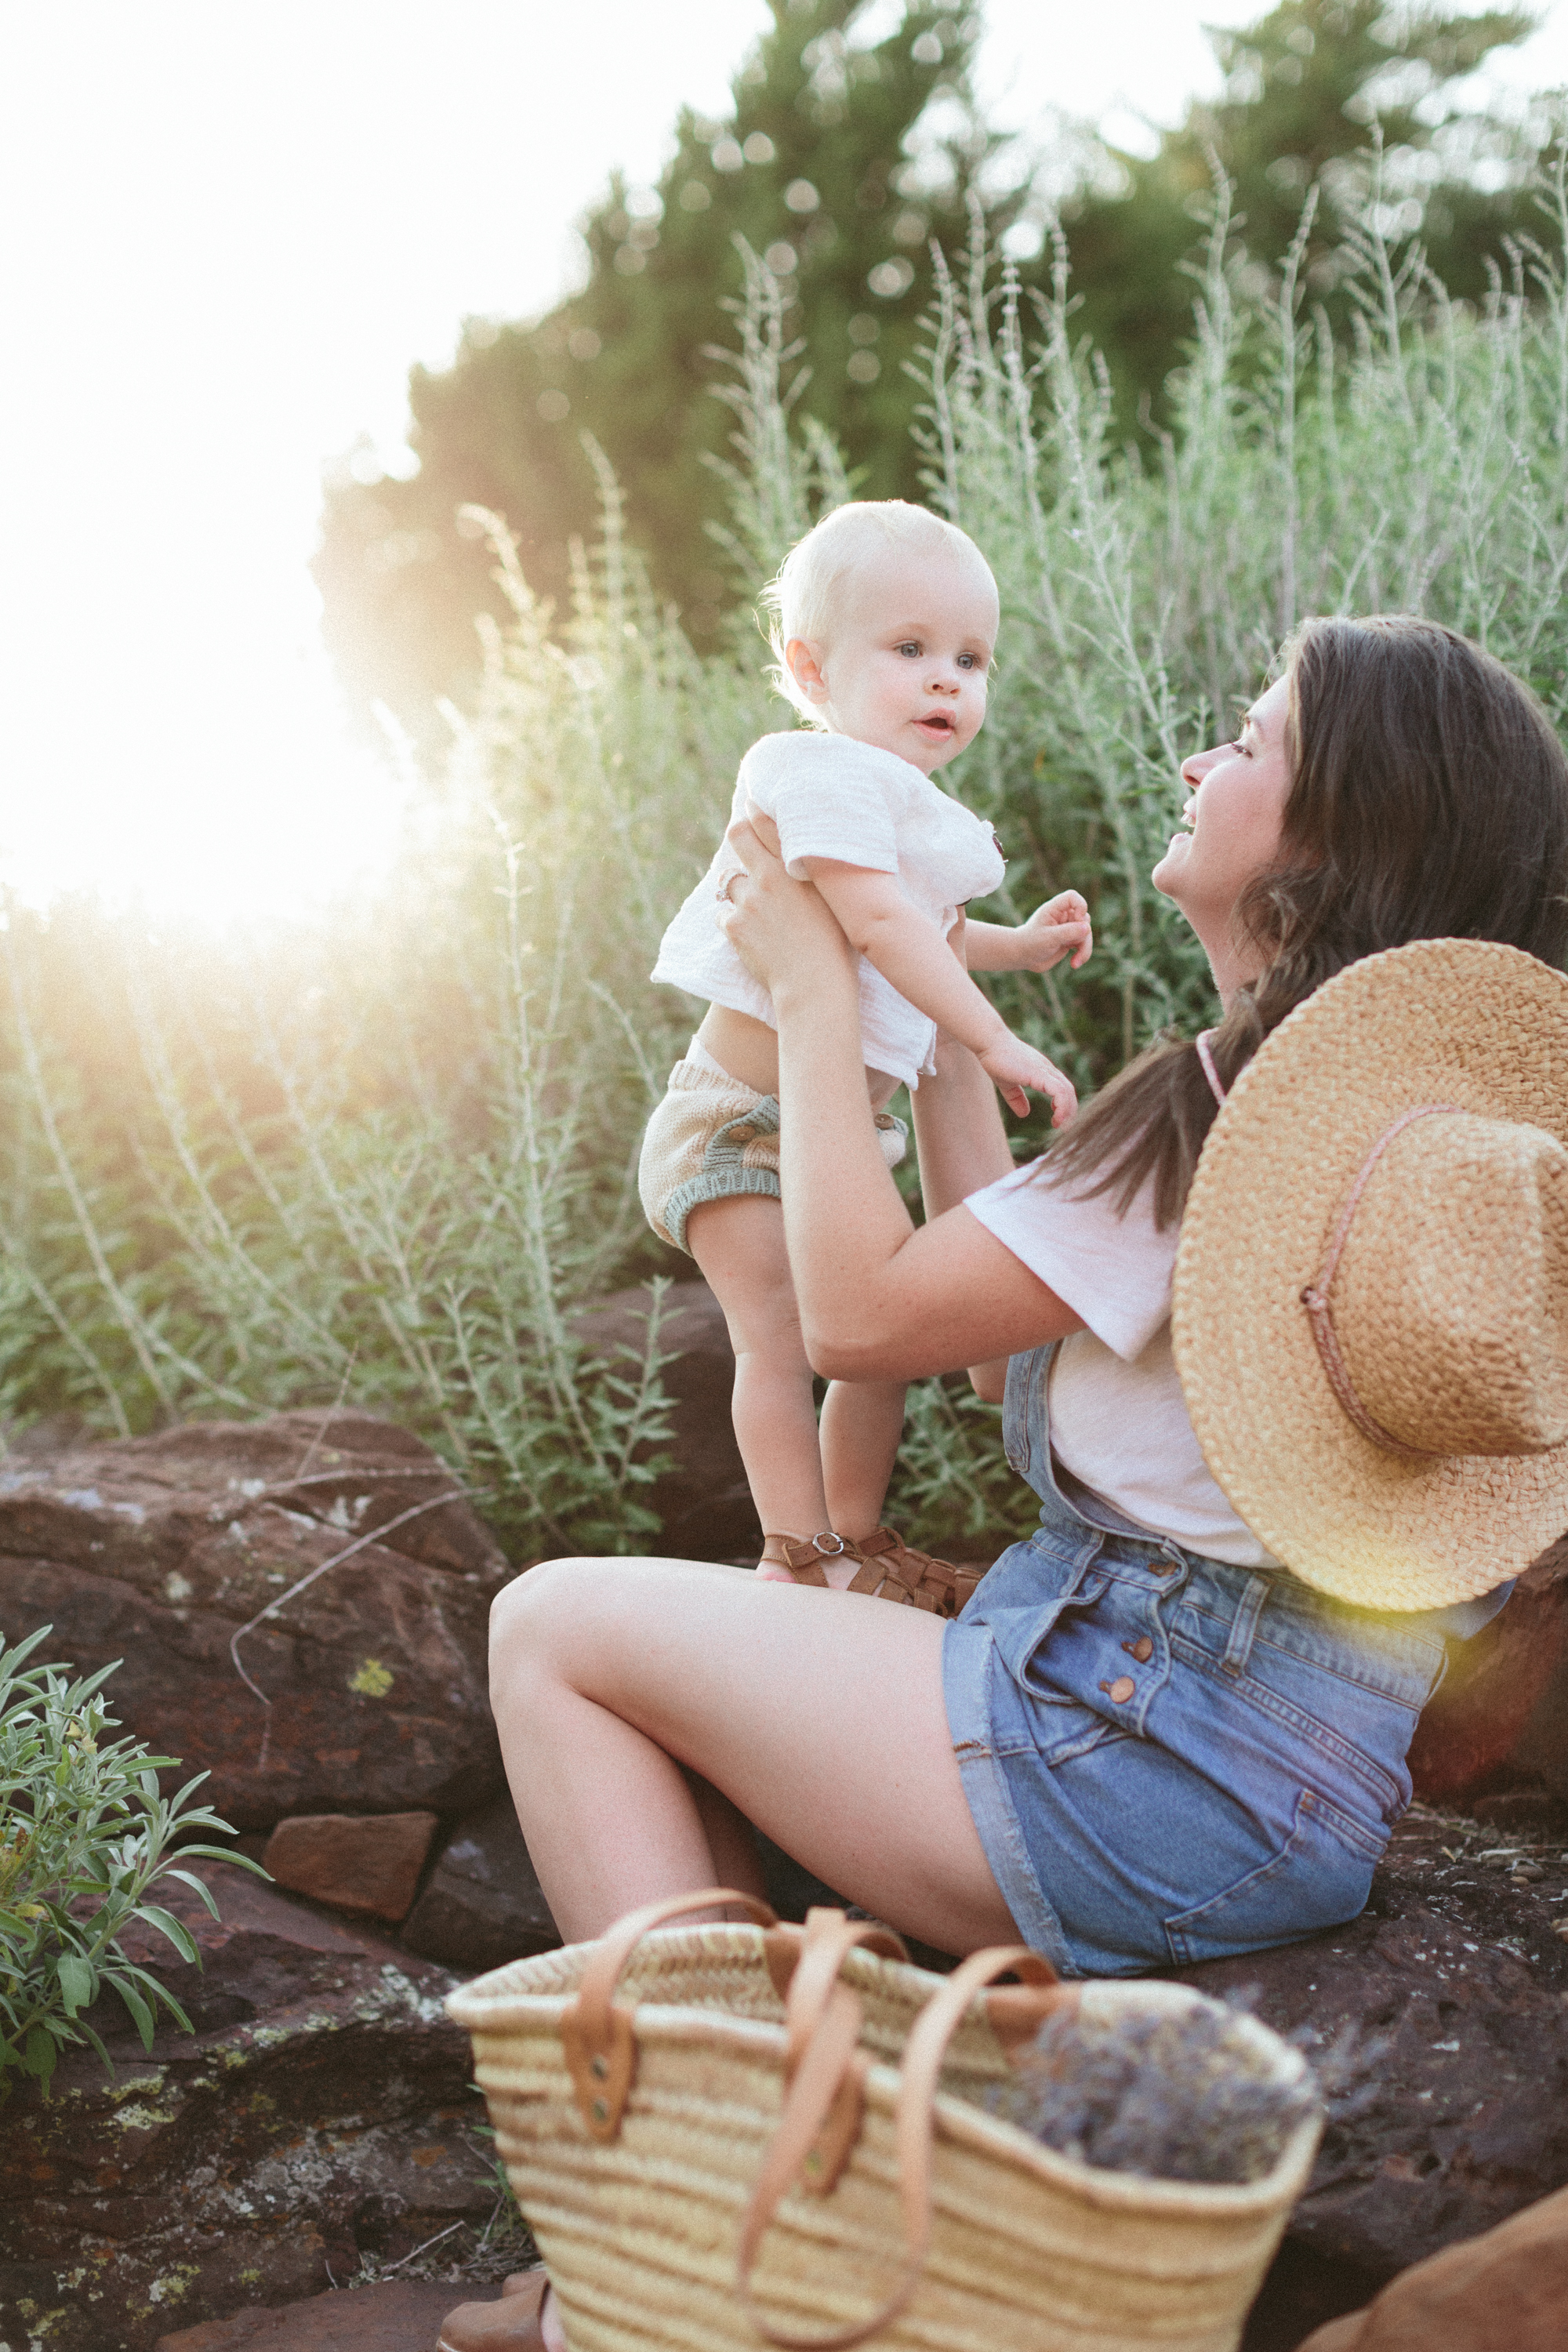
(911,649)
(970,661)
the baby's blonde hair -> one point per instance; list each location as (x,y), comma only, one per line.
(799,598)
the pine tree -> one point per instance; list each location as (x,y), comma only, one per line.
(840,163)
(1304,87)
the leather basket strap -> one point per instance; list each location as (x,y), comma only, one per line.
(830,1937)
(832,2052)
(826,2064)
(596,2037)
(915,2124)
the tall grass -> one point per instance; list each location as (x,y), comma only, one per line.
(386,1158)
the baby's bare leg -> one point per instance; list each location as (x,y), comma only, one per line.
(740,1246)
(861,1425)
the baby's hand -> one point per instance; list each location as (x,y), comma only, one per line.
(1058,927)
(1011,1066)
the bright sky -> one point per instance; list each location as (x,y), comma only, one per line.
(225,234)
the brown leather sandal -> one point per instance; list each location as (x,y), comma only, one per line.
(935,1584)
(512,2325)
(803,1555)
(880,1579)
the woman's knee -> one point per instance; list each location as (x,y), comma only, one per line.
(541,1619)
(530,1614)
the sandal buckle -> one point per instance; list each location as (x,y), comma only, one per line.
(829,1545)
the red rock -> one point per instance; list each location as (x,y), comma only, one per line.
(482,1903)
(1508,2288)
(359,1863)
(1455,1982)
(1488,1714)
(395,2317)
(321,2112)
(702,1501)
(158,1549)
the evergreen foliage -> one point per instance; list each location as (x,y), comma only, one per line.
(861,153)
(1302,87)
(841,161)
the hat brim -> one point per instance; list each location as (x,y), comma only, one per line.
(1443,1021)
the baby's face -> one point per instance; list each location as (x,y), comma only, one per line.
(905,664)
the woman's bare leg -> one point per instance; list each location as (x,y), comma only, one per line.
(732,1841)
(861,1425)
(819,1715)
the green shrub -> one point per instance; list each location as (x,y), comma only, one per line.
(388,1157)
(84,1838)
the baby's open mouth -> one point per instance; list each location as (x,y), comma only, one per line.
(936,722)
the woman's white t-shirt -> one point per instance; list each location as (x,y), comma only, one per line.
(831,796)
(1118,1421)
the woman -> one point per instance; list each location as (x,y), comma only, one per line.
(975,1781)
(1145,1740)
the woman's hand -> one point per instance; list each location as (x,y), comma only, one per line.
(784,930)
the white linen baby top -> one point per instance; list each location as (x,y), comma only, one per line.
(1119,1420)
(833,797)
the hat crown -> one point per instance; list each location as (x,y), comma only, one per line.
(1451,1299)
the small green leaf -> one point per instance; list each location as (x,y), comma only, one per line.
(78,1983)
(40,2056)
(167,1925)
(141,2015)
(189,1879)
(103,2053)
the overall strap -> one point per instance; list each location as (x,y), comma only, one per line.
(1210,1073)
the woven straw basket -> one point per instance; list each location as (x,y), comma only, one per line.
(726,2136)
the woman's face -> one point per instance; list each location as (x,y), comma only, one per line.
(1235,816)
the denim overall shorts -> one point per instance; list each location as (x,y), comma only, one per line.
(1169,1760)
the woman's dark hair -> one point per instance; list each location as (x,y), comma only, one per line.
(1430,801)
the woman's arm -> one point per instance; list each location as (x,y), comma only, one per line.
(962,1146)
(878,1301)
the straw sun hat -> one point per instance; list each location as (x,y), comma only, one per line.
(1371,1314)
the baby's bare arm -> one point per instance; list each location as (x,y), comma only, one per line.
(913,955)
(907,950)
(1060,927)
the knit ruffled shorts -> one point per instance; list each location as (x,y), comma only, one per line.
(714,1139)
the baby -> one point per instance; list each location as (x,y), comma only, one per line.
(885,619)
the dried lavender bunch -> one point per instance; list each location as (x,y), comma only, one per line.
(1181,2095)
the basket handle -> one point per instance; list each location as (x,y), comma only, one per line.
(596,2037)
(834,2051)
(830,1937)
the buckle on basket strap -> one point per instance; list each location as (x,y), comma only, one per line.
(602,2071)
